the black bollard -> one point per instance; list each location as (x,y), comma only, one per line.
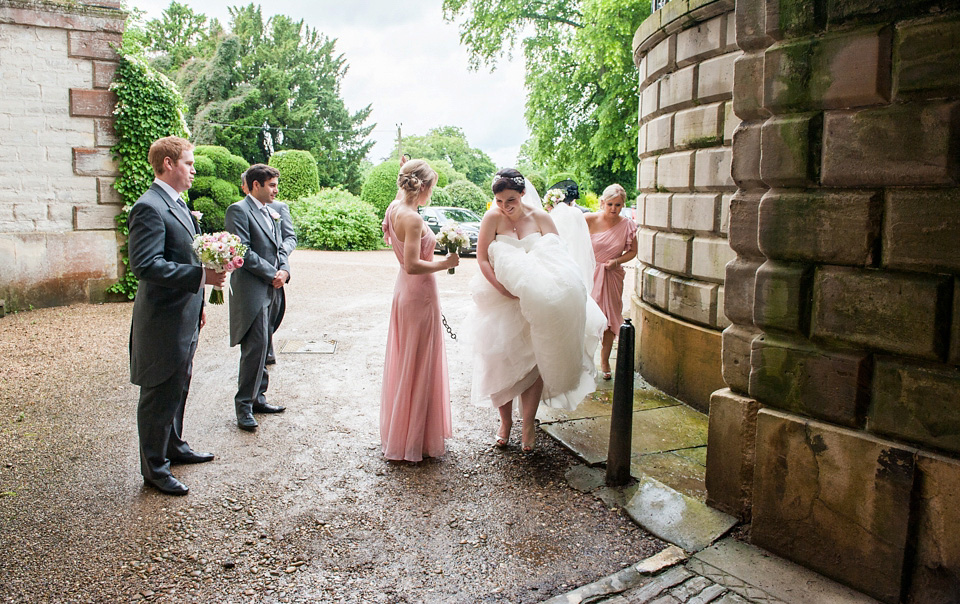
(621,421)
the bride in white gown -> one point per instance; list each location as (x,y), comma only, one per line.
(534,328)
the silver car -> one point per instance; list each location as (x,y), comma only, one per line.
(437,216)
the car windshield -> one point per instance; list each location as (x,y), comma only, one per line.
(461,215)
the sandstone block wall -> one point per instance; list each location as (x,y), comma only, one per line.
(57,234)
(685,54)
(843,296)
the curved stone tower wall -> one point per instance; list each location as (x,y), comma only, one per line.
(840,430)
(685,54)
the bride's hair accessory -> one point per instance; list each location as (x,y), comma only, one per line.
(516,179)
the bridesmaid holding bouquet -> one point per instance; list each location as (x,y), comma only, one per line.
(415,399)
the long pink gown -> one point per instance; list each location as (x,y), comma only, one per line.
(608,283)
(415,399)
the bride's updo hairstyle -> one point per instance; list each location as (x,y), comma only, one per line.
(415,175)
(508,178)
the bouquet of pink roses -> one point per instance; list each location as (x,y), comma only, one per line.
(452,237)
(221,252)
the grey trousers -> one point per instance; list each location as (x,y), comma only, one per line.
(160,419)
(252,378)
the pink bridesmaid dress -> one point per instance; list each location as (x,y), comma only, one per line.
(415,400)
(608,283)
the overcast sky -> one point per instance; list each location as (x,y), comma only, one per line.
(407,62)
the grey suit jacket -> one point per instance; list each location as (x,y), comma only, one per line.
(288,237)
(166,312)
(251,284)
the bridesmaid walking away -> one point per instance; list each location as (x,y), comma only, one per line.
(415,400)
(614,243)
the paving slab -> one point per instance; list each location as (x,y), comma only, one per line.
(673,469)
(755,573)
(600,403)
(677,518)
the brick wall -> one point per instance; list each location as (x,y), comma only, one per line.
(57,234)
(685,54)
(842,356)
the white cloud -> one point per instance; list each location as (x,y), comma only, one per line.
(407,62)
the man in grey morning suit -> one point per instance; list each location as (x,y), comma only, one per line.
(256,290)
(288,241)
(168,312)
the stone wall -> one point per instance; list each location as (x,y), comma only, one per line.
(58,239)
(840,431)
(685,54)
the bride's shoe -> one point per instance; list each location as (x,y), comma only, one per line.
(501,440)
(528,446)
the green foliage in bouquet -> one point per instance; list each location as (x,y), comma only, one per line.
(380,188)
(465,194)
(298,174)
(335,219)
(148,107)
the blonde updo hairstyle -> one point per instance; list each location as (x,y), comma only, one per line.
(415,176)
(612,192)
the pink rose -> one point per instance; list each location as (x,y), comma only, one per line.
(239,261)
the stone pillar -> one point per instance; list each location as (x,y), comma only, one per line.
(845,293)
(58,238)
(685,54)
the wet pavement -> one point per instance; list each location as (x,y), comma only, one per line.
(303,510)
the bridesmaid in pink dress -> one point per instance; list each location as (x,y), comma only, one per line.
(614,243)
(415,399)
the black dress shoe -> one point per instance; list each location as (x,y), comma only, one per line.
(268,408)
(191,457)
(270,361)
(168,485)
(246,422)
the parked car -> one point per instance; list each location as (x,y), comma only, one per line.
(437,216)
(628,212)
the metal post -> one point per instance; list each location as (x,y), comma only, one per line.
(621,421)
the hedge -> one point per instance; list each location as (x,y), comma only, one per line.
(465,194)
(298,174)
(380,188)
(335,219)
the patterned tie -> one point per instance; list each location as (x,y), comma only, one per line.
(266,216)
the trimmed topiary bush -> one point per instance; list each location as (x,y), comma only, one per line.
(334,219)
(220,193)
(380,188)
(465,194)
(203,165)
(298,174)
(226,165)
(213,214)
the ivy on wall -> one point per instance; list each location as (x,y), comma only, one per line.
(149,107)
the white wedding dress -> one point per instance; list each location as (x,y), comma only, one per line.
(551,331)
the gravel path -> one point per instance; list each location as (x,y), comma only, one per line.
(305,509)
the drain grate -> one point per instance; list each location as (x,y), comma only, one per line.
(307,346)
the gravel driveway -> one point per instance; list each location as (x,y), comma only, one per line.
(303,510)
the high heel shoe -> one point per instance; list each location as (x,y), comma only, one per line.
(499,441)
(528,446)
(607,375)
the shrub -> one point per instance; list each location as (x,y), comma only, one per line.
(446,172)
(590,200)
(298,174)
(439,197)
(538,182)
(442,178)
(465,194)
(554,179)
(226,165)
(203,165)
(335,219)
(380,188)
(212,214)
(220,194)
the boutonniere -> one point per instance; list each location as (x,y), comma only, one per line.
(273,214)
(197,215)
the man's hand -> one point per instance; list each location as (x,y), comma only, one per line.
(280,278)
(214,278)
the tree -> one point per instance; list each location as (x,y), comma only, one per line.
(179,35)
(582,84)
(449,144)
(269,84)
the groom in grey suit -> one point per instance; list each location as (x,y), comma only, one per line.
(168,312)
(256,290)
